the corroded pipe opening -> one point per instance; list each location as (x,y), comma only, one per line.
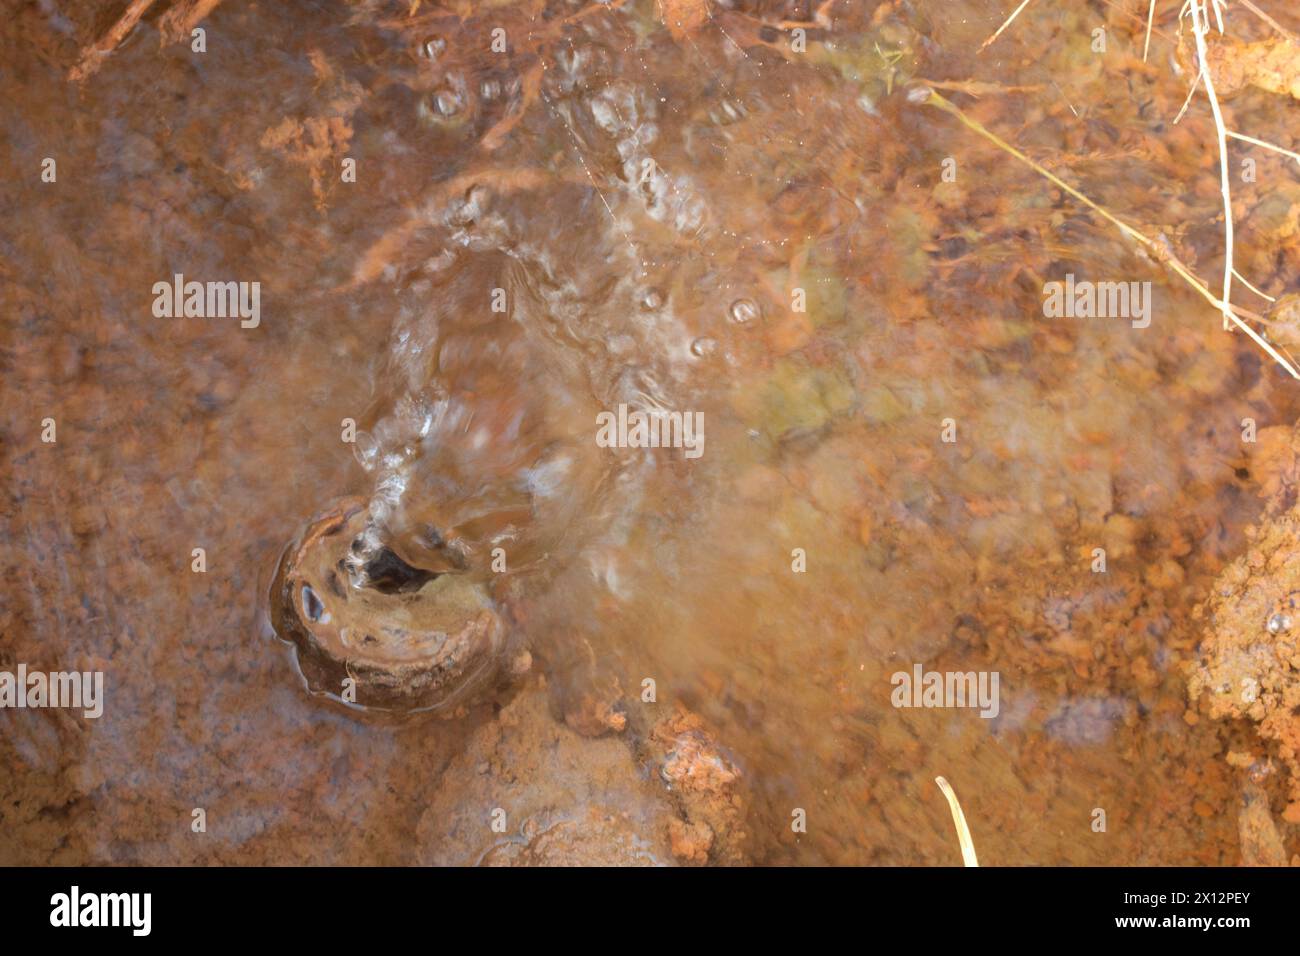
(404,639)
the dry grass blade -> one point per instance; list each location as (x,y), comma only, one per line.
(1259,292)
(1270,21)
(1259,142)
(998,32)
(1151,16)
(978,88)
(1159,252)
(959,819)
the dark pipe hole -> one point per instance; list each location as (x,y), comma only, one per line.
(389,574)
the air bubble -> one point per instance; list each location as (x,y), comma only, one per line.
(703,347)
(447,102)
(433,47)
(652,300)
(1278,623)
(366,450)
(744,311)
(731,111)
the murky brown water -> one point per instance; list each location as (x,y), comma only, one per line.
(647,206)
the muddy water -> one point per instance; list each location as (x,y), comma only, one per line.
(607,214)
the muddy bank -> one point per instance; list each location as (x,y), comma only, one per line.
(1248,669)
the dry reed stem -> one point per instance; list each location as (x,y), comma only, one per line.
(178,23)
(93,56)
(1200,27)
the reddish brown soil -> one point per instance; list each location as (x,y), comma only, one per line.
(1249,661)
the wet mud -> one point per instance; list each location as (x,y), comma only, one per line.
(586,654)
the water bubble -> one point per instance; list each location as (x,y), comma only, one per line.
(744,311)
(652,300)
(730,111)
(433,47)
(1278,623)
(448,102)
(366,450)
(703,347)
